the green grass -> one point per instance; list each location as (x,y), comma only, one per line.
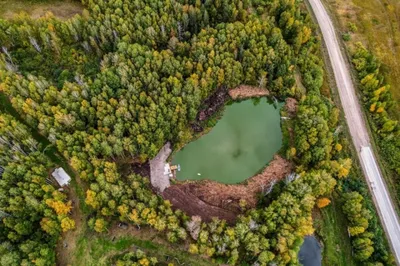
(94,249)
(331,228)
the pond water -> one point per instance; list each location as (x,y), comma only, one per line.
(242,143)
(310,252)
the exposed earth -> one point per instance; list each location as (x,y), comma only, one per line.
(209,199)
(244,92)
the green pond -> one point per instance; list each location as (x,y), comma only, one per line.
(243,141)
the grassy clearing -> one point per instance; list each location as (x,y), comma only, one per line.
(331,227)
(62,9)
(375,23)
(95,249)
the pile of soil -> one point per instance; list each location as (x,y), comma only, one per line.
(209,199)
(244,92)
(291,106)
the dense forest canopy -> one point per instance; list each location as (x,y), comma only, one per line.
(119,81)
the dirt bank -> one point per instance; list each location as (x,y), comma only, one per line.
(244,92)
(212,199)
(210,106)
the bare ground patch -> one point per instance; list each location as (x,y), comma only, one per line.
(291,105)
(61,9)
(209,199)
(158,179)
(245,92)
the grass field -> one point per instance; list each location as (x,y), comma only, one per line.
(331,226)
(62,9)
(98,249)
(375,23)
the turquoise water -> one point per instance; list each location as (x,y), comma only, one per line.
(243,142)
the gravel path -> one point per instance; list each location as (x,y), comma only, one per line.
(157,177)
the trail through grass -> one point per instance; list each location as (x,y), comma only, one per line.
(331,228)
(95,249)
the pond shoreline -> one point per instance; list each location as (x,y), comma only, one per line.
(212,194)
(208,198)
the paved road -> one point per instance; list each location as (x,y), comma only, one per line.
(358,128)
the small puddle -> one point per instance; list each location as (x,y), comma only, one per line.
(244,140)
(310,252)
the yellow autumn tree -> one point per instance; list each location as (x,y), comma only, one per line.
(123,210)
(67,224)
(91,199)
(144,262)
(59,207)
(193,249)
(100,225)
(341,167)
(323,202)
(306,34)
(134,216)
(356,230)
(338,147)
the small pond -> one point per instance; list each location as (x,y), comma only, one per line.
(310,252)
(242,143)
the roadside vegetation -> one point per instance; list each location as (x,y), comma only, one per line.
(381,108)
(123,79)
(371,24)
(370,30)
(376,24)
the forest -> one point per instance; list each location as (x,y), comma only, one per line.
(117,82)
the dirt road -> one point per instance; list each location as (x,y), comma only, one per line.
(358,128)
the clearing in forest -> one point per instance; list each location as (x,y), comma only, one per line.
(62,9)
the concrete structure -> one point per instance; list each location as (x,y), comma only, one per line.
(358,129)
(168,170)
(160,169)
(61,177)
